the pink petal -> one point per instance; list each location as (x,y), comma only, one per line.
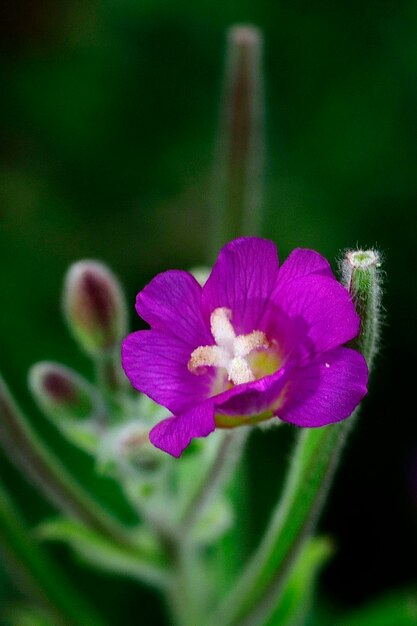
(242,280)
(175,433)
(171,302)
(255,397)
(327,389)
(156,364)
(321,308)
(302,262)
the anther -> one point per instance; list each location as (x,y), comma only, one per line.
(230,351)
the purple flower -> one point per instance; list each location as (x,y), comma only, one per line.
(256,341)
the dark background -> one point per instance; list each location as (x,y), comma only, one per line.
(107,124)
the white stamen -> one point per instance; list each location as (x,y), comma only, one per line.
(239,371)
(230,350)
(244,344)
(213,356)
(221,328)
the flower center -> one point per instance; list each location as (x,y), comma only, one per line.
(230,350)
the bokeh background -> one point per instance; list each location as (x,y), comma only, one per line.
(108,119)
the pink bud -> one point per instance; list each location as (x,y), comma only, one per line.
(62,393)
(94,307)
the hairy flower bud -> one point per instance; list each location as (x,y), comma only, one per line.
(61,393)
(362,277)
(127,446)
(238,167)
(94,307)
(70,402)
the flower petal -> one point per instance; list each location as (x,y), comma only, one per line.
(175,433)
(242,280)
(302,262)
(171,302)
(156,364)
(327,389)
(254,397)
(322,309)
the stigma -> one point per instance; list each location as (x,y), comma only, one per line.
(230,351)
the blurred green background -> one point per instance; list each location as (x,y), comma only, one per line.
(108,121)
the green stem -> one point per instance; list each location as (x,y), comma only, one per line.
(32,568)
(112,383)
(222,465)
(26,450)
(186,589)
(110,377)
(189,590)
(312,469)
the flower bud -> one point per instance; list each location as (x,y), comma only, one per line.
(238,167)
(127,446)
(94,307)
(362,277)
(61,393)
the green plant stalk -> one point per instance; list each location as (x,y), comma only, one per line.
(297,598)
(312,469)
(109,374)
(186,591)
(189,589)
(31,568)
(226,458)
(29,454)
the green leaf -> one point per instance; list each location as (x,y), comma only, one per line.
(28,452)
(395,609)
(296,599)
(33,571)
(27,616)
(144,563)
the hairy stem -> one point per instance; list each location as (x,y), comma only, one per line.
(222,465)
(292,521)
(186,590)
